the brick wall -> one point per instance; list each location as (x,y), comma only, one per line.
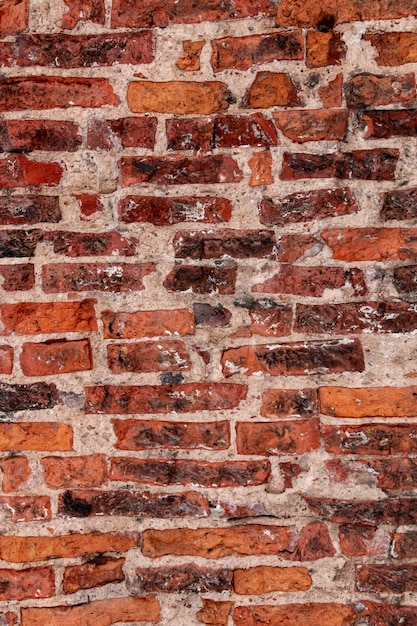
(208,312)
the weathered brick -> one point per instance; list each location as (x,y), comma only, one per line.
(129,325)
(34,397)
(16,471)
(131,132)
(148,356)
(295,246)
(100,571)
(89,204)
(188,578)
(385,124)
(363,541)
(28,135)
(324,48)
(181,97)
(315,125)
(75,244)
(271,89)
(405,279)
(307,206)
(372,244)
(28,549)
(222,131)
(132,504)
(202,279)
(313,281)
(381,578)
(369,90)
(33,318)
(152,13)
(97,613)
(368,401)
(45,436)
(75,472)
(48,92)
(394,48)
(214,612)
(288,402)
(314,543)
(388,614)
(356,317)
(268,318)
(146,399)
(20,277)
(19,243)
(82,10)
(370,439)
(56,357)
(26,508)
(190,59)
(210,316)
(215,543)
(113,277)
(277,438)
(8,619)
(373,512)
(404,545)
(215,244)
(266,579)
(399,205)
(14,17)
(179,170)
(34,582)
(378,164)
(165,211)
(326,614)
(394,474)
(19,171)
(151,434)
(6,359)
(190,472)
(331,94)
(30,209)
(295,359)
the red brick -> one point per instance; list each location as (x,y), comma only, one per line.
(216,543)
(112,277)
(370,439)
(363,541)
(56,357)
(16,471)
(190,59)
(97,613)
(19,171)
(181,97)
(313,281)
(368,401)
(75,472)
(131,132)
(34,397)
(356,317)
(34,582)
(38,436)
(8,619)
(267,318)
(372,244)
(314,543)
(385,124)
(148,356)
(222,131)
(14,17)
(147,399)
(241,53)
(75,244)
(368,90)
(399,205)
(301,126)
(278,438)
(30,209)
(261,167)
(179,170)
(374,512)
(26,508)
(152,13)
(309,13)
(33,318)
(28,135)
(20,277)
(6,359)
(394,48)
(381,578)
(295,359)
(289,471)
(165,211)
(215,612)
(29,549)
(394,474)
(405,279)
(331,94)
(215,244)
(229,510)
(151,434)
(325,614)
(266,579)
(19,243)
(68,51)
(378,164)
(271,89)
(202,279)
(289,402)
(295,246)
(89,204)
(132,504)
(48,92)
(209,316)
(189,472)
(388,614)
(404,545)
(129,325)
(100,571)
(83,10)
(324,48)
(188,578)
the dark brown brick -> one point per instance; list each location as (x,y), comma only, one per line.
(189,578)
(22,210)
(28,135)
(399,205)
(202,279)
(163,211)
(111,277)
(131,132)
(239,244)
(34,397)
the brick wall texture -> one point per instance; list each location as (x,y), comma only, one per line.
(208,312)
